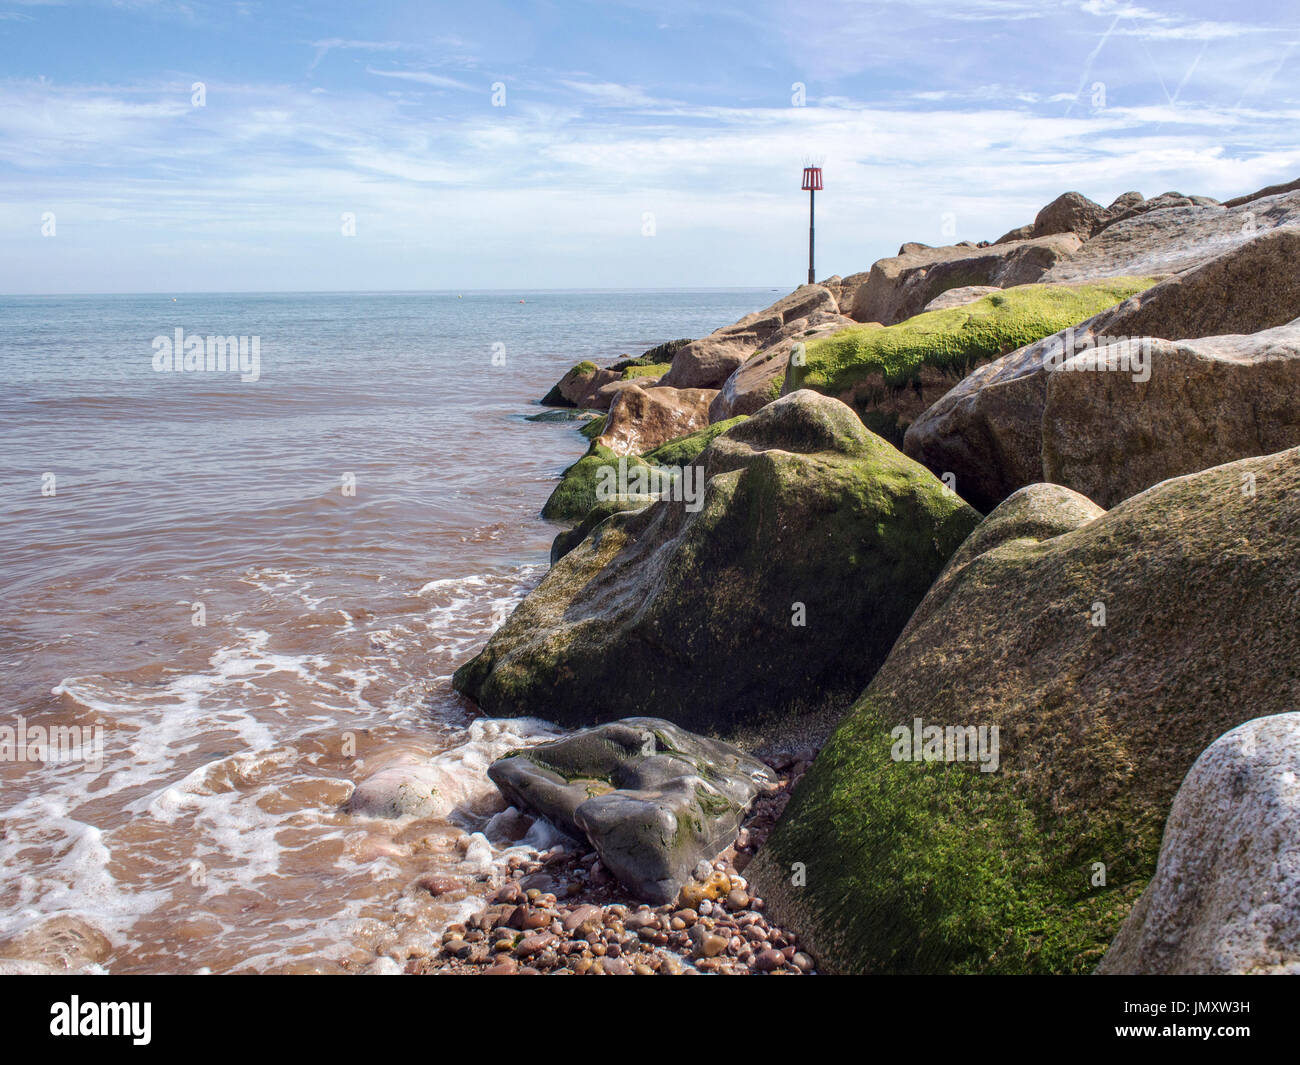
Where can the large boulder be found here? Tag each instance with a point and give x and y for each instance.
(1107, 650)
(659, 355)
(1271, 190)
(1156, 203)
(899, 287)
(1074, 213)
(709, 361)
(758, 380)
(603, 395)
(652, 799)
(891, 375)
(778, 593)
(641, 419)
(987, 430)
(587, 385)
(577, 493)
(578, 385)
(687, 450)
(1071, 212)
(1019, 233)
(1161, 240)
(1121, 418)
(1226, 895)
(681, 452)
(845, 289)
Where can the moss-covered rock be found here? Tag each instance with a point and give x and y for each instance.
(658, 355)
(575, 495)
(779, 591)
(568, 539)
(988, 429)
(899, 287)
(567, 390)
(890, 375)
(643, 370)
(594, 428)
(680, 452)
(1109, 650)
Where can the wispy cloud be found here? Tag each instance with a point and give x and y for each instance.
(915, 122)
(423, 77)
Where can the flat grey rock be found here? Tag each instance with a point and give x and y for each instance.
(652, 799)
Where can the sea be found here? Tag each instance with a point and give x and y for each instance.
(228, 596)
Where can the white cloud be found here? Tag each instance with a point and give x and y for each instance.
(423, 77)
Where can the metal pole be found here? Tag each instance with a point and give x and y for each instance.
(812, 277)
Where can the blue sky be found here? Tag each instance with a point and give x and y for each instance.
(937, 121)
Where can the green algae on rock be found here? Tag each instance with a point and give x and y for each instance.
(565, 392)
(780, 594)
(1110, 649)
(640, 370)
(988, 430)
(683, 451)
(566, 540)
(575, 495)
(890, 375)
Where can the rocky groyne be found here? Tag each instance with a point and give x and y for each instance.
(1003, 533)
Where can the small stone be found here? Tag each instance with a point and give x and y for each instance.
(457, 948)
(642, 919)
(508, 893)
(582, 917)
(769, 960)
(737, 899)
(505, 967)
(534, 944)
(439, 885)
(803, 962)
(710, 946)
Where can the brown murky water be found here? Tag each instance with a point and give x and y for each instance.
(197, 588)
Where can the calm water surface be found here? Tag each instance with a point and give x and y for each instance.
(256, 593)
